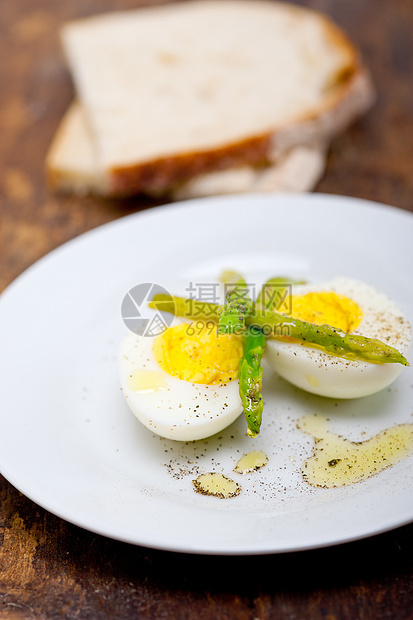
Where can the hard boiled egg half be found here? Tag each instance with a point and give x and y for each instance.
(183, 383)
(353, 307)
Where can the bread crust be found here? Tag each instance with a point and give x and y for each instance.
(160, 175)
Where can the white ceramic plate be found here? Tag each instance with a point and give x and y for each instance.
(69, 441)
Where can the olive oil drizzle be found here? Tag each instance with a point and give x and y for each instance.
(146, 381)
(251, 462)
(217, 485)
(337, 461)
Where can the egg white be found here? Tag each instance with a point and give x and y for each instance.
(327, 375)
(182, 411)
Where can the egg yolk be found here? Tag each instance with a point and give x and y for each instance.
(326, 308)
(196, 353)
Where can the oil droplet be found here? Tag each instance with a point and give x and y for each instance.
(217, 485)
(337, 461)
(251, 462)
(147, 381)
(312, 380)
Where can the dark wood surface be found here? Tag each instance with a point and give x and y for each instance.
(51, 569)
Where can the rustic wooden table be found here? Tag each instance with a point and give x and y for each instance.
(51, 569)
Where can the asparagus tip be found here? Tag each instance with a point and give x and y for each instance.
(251, 433)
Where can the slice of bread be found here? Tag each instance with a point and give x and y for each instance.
(173, 93)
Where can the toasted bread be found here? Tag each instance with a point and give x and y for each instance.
(175, 93)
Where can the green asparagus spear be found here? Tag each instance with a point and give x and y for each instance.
(250, 370)
(239, 305)
(250, 379)
(333, 340)
(232, 317)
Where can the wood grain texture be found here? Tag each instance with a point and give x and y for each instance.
(51, 569)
